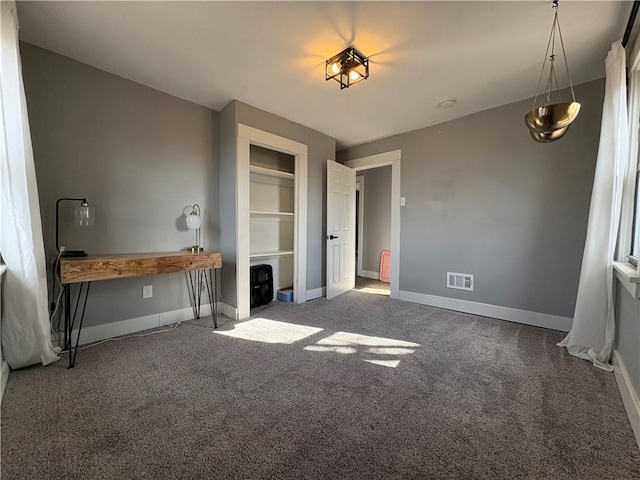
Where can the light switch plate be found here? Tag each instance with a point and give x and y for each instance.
(403, 201)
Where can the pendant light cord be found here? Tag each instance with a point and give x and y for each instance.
(566, 63)
(551, 43)
(544, 61)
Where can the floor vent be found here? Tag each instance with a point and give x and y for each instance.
(461, 281)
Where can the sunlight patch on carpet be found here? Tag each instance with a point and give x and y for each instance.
(390, 351)
(349, 343)
(373, 290)
(384, 363)
(349, 339)
(269, 331)
(320, 348)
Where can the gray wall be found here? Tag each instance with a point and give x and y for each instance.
(484, 198)
(320, 148)
(377, 216)
(227, 188)
(139, 156)
(627, 341)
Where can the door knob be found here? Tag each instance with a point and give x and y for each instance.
(331, 237)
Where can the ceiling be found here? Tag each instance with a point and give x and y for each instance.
(271, 54)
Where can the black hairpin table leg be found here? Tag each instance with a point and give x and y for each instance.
(197, 281)
(211, 291)
(70, 320)
(194, 290)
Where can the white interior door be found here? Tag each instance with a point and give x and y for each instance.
(341, 232)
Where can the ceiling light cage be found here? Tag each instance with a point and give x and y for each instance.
(549, 121)
(347, 67)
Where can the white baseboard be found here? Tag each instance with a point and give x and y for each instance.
(4, 377)
(629, 395)
(526, 317)
(316, 293)
(228, 311)
(96, 333)
(370, 274)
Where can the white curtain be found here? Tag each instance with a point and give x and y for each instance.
(592, 333)
(26, 335)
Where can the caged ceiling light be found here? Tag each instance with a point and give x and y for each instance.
(347, 67)
(548, 121)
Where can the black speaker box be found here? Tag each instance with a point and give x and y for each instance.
(261, 285)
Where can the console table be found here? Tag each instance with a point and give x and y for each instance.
(198, 268)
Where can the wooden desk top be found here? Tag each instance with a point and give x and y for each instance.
(106, 267)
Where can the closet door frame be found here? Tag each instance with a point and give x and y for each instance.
(248, 136)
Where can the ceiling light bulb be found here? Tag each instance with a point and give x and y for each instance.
(335, 67)
(354, 75)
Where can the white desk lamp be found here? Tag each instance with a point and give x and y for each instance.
(194, 222)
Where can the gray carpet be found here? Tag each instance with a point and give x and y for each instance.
(477, 398)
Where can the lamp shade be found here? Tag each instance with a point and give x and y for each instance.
(550, 136)
(84, 215)
(194, 221)
(552, 117)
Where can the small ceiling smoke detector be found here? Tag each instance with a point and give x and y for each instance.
(447, 103)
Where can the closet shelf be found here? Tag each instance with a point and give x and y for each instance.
(272, 253)
(271, 214)
(270, 172)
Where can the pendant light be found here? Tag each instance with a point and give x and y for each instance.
(548, 121)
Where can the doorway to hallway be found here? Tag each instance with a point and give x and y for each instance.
(369, 285)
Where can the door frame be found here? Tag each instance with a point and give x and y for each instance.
(360, 223)
(248, 136)
(392, 158)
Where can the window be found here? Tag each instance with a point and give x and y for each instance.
(629, 232)
(633, 251)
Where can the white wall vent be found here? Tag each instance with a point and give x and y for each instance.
(461, 281)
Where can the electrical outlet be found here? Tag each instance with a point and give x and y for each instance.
(203, 287)
(147, 291)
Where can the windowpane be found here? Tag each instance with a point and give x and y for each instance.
(636, 220)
